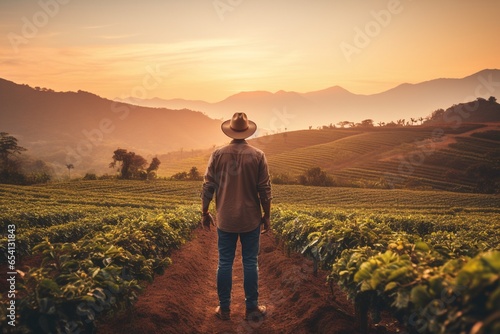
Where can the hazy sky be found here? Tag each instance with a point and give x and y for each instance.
(206, 49)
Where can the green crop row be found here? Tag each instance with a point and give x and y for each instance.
(28, 235)
(98, 274)
(436, 276)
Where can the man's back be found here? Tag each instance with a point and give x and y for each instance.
(238, 174)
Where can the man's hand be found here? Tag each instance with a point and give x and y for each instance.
(207, 221)
(266, 222)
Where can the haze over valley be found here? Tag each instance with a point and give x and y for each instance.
(83, 129)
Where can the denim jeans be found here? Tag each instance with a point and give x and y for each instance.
(249, 251)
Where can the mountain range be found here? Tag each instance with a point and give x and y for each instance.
(275, 112)
(83, 129)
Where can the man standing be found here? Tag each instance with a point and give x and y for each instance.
(238, 176)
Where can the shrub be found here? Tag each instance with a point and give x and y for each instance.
(90, 176)
(316, 177)
(283, 178)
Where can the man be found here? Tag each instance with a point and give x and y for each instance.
(238, 176)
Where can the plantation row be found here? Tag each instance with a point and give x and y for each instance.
(100, 239)
(343, 150)
(94, 268)
(273, 145)
(166, 194)
(404, 175)
(65, 211)
(288, 141)
(66, 225)
(426, 167)
(294, 152)
(436, 274)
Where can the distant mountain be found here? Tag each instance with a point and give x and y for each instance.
(293, 110)
(84, 129)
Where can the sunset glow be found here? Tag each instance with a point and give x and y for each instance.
(208, 50)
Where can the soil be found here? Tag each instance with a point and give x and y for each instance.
(183, 300)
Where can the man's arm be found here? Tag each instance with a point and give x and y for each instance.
(264, 189)
(207, 194)
(266, 219)
(205, 203)
(266, 206)
(206, 218)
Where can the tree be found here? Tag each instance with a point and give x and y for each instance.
(437, 114)
(492, 99)
(69, 167)
(120, 155)
(343, 124)
(137, 164)
(8, 148)
(131, 164)
(194, 174)
(153, 167)
(367, 123)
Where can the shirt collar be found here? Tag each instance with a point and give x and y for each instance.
(238, 141)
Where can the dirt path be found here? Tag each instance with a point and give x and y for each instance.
(183, 300)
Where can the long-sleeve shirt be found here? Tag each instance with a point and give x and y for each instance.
(238, 176)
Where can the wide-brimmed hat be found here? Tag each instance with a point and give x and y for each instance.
(239, 127)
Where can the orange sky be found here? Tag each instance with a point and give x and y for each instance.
(211, 49)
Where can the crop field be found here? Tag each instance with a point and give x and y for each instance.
(432, 258)
(410, 157)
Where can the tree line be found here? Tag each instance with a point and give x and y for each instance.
(15, 170)
(370, 123)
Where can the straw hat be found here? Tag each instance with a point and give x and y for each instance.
(239, 127)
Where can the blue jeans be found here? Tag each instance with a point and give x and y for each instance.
(249, 251)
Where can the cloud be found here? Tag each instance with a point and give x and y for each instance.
(111, 37)
(99, 26)
(115, 67)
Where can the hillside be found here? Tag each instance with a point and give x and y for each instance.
(446, 156)
(478, 111)
(298, 110)
(84, 129)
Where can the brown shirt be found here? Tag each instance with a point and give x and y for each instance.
(238, 175)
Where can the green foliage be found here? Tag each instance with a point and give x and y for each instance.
(99, 272)
(436, 276)
(424, 255)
